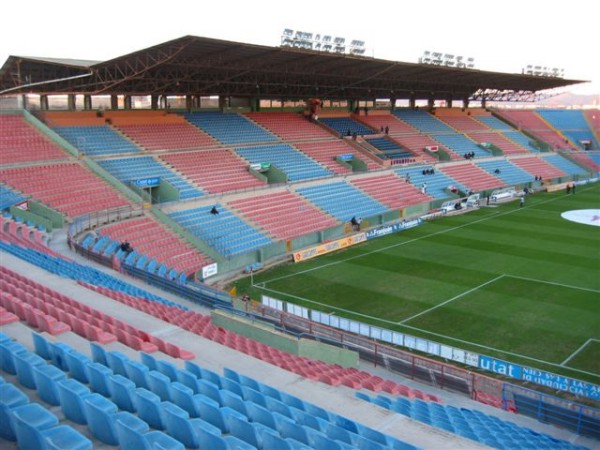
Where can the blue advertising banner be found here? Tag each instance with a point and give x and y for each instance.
(539, 377)
(394, 228)
(346, 156)
(146, 182)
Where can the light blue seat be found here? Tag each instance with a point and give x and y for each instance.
(344, 422)
(122, 391)
(306, 419)
(275, 405)
(159, 384)
(373, 435)
(71, 394)
(292, 430)
(234, 401)
(132, 439)
(254, 396)
(212, 413)
(257, 413)
(99, 375)
(10, 397)
(184, 397)
(148, 360)
(245, 431)
(149, 408)
(46, 377)
(189, 379)
(59, 355)
(101, 415)
(8, 350)
(42, 346)
(138, 373)
(183, 428)
(78, 365)
(270, 391)
(231, 374)
(249, 382)
(209, 375)
(24, 363)
(291, 400)
(167, 368)
(272, 441)
(233, 386)
(209, 389)
(339, 434)
(98, 353)
(116, 361)
(36, 428)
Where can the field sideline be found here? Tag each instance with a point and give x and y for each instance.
(520, 284)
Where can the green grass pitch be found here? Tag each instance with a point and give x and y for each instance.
(520, 284)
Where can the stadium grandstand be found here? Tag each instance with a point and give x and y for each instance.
(148, 253)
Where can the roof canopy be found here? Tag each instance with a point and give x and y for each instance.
(194, 65)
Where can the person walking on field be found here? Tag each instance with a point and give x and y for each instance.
(521, 202)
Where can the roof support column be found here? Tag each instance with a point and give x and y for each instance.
(392, 104)
(87, 102)
(431, 101)
(412, 100)
(189, 102)
(127, 102)
(449, 100)
(44, 102)
(154, 101)
(71, 102)
(466, 102)
(114, 102)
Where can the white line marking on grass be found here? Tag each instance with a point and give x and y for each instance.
(554, 283)
(577, 351)
(452, 299)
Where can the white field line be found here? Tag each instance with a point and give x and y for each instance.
(452, 299)
(578, 350)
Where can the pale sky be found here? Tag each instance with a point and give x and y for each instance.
(503, 36)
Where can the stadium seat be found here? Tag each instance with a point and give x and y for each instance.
(149, 408)
(46, 377)
(132, 439)
(184, 429)
(71, 394)
(10, 397)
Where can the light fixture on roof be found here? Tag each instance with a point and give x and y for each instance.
(321, 42)
(543, 71)
(447, 60)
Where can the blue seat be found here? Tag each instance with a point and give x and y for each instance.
(10, 397)
(41, 346)
(24, 363)
(275, 405)
(98, 353)
(372, 434)
(249, 382)
(78, 364)
(212, 413)
(209, 375)
(290, 400)
(36, 428)
(323, 442)
(183, 397)
(344, 422)
(46, 377)
(8, 350)
(231, 374)
(306, 419)
(167, 368)
(270, 391)
(183, 428)
(116, 361)
(234, 401)
(138, 373)
(189, 379)
(272, 441)
(257, 413)
(232, 386)
(59, 355)
(209, 389)
(148, 360)
(292, 430)
(339, 434)
(122, 391)
(132, 439)
(245, 431)
(159, 384)
(149, 408)
(101, 415)
(254, 396)
(99, 375)
(71, 394)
